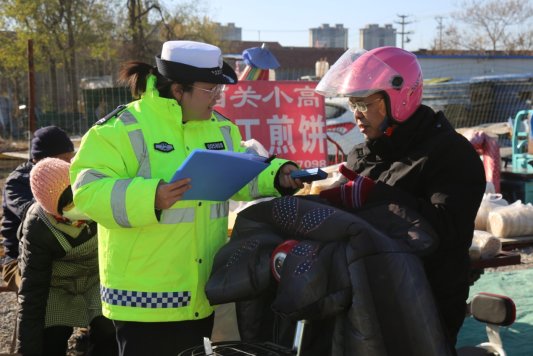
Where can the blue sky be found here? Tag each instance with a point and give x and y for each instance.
(288, 21)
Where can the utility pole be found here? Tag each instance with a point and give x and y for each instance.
(403, 33)
(440, 27)
(31, 92)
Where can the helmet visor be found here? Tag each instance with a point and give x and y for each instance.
(358, 73)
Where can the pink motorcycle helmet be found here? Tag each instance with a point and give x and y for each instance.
(361, 73)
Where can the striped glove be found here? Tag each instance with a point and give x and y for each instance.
(352, 194)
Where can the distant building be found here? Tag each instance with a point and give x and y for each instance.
(373, 36)
(328, 37)
(229, 32)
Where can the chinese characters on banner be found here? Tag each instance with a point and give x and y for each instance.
(287, 117)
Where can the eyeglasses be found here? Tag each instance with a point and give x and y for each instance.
(361, 106)
(215, 91)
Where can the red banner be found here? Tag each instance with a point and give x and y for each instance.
(287, 117)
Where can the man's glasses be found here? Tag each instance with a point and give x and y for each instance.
(361, 106)
(216, 90)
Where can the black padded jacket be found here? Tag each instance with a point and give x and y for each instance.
(17, 198)
(358, 278)
(39, 249)
(426, 165)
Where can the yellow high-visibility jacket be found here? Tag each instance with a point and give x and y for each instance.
(154, 269)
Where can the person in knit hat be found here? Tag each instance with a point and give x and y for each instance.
(49, 141)
(48, 180)
(59, 270)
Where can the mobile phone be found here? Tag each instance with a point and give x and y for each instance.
(309, 175)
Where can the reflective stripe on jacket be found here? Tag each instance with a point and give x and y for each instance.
(154, 269)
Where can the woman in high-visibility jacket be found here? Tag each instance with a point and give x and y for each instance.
(156, 250)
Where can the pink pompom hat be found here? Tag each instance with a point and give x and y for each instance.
(48, 179)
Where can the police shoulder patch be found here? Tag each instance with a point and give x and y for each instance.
(112, 114)
(163, 147)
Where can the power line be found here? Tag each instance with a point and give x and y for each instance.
(403, 33)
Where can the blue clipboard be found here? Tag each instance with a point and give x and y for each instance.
(218, 175)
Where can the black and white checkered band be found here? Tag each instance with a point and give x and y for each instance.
(127, 298)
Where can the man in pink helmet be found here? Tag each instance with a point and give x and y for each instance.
(411, 156)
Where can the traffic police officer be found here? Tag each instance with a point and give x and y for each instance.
(156, 250)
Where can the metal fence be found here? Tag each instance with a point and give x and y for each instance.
(481, 100)
(96, 93)
(466, 103)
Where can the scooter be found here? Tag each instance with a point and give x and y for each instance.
(495, 311)
(492, 309)
(263, 348)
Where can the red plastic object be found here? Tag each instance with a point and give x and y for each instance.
(278, 257)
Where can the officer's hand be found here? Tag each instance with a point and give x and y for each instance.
(285, 180)
(169, 193)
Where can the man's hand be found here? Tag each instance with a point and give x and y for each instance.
(352, 194)
(169, 193)
(285, 180)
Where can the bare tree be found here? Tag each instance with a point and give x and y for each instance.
(61, 29)
(144, 17)
(520, 41)
(491, 25)
(148, 23)
(450, 39)
(188, 21)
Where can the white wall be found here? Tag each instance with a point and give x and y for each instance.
(471, 66)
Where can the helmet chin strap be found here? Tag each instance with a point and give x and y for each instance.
(386, 126)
